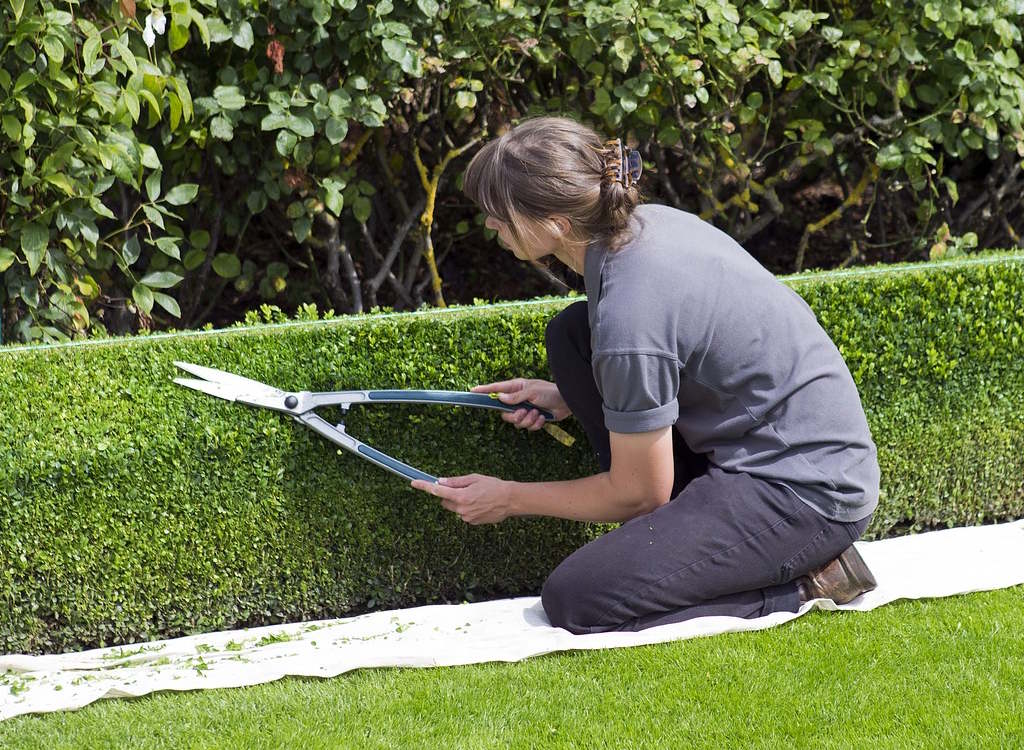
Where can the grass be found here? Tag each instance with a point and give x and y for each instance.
(935, 673)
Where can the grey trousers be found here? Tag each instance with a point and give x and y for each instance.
(726, 544)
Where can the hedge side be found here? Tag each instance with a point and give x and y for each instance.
(131, 508)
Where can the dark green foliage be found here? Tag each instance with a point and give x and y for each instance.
(267, 151)
(132, 508)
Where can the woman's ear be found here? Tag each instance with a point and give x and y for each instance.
(561, 224)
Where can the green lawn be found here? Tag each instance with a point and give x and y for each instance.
(940, 673)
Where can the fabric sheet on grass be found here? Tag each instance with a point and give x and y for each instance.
(938, 563)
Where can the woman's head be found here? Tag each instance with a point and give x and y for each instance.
(551, 179)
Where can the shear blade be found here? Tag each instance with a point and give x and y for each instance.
(226, 378)
(227, 393)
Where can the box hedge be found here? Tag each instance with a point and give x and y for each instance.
(132, 508)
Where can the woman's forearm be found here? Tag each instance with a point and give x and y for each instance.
(593, 498)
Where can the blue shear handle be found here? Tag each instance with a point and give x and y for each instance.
(387, 462)
(456, 398)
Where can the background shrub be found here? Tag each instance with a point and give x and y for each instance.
(309, 152)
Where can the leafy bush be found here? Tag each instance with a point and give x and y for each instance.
(133, 508)
(167, 164)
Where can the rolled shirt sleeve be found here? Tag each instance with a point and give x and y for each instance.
(639, 390)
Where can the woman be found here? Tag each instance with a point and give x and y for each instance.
(729, 431)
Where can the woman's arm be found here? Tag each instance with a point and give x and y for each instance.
(640, 480)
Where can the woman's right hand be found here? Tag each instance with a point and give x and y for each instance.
(538, 392)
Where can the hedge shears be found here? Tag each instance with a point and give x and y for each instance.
(302, 405)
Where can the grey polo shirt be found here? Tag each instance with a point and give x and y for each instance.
(688, 329)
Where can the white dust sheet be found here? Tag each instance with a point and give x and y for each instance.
(938, 563)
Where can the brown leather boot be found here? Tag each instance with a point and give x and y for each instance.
(841, 580)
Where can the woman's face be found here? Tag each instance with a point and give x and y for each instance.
(542, 241)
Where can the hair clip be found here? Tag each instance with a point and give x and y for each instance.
(634, 167)
(622, 164)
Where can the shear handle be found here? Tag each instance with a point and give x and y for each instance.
(455, 398)
(338, 436)
(307, 401)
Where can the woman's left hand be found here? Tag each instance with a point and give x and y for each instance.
(475, 497)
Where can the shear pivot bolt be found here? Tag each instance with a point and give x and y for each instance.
(291, 402)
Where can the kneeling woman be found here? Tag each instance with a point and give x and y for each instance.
(729, 431)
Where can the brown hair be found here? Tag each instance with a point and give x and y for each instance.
(553, 165)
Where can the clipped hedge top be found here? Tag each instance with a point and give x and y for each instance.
(986, 257)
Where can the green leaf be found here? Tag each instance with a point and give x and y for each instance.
(301, 227)
(243, 35)
(161, 279)
(168, 246)
(300, 126)
(256, 201)
(54, 49)
(624, 48)
(125, 55)
(428, 7)
(321, 13)
(285, 142)
(148, 156)
(34, 239)
(177, 38)
(194, 259)
(775, 72)
(465, 99)
(964, 50)
(199, 239)
(361, 208)
(153, 215)
(229, 97)
(972, 139)
(336, 130)
(339, 102)
(131, 250)
(131, 103)
(219, 31)
(153, 185)
(221, 128)
(174, 107)
(889, 157)
(186, 98)
(951, 188)
(143, 297)
(227, 265)
(62, 181)
(7, 259)
(168, 303)
(12, 128)
(274, 121)
(154, 106)
(334, 201)
(394, 49)
(182, 194)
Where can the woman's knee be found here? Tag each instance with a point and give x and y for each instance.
(566, 601)
(557, 597)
